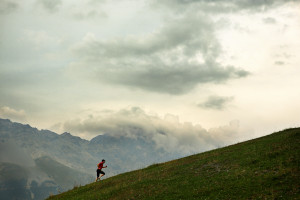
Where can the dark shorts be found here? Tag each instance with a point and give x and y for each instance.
(99, 171)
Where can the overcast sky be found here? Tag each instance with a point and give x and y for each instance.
(231, 67)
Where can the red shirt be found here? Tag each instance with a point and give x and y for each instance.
(100, 165)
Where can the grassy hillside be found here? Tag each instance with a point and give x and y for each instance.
(263, 168)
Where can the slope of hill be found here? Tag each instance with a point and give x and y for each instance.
(263, 168)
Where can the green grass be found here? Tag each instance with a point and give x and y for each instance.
(263, 168)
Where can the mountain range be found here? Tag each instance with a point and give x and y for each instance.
(37, 163)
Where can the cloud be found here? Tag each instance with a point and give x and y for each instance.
(279, 63)
(216, 102)
(50, 5)
(41, 38)
(87, 10)
(173, 60)
(167, 133)
(89, 14)
(269, 20)
(219, 6)
(10, 113)
(7, 7)
(12, 153)
(187, 35)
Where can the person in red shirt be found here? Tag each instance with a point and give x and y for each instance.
(99, 170)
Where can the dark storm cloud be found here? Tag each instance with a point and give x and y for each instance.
(221, 6)
(167, 133)
(191, 34)
(7, 6)
(216, 102)
(175, 80)
(163, 61)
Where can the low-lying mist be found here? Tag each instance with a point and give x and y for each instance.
(167, 133)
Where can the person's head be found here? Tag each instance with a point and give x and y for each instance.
(103, 160)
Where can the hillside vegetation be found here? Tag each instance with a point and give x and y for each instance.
(263, 168)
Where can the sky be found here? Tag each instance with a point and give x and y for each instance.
(178, 71)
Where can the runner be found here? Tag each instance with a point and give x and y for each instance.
(99, 170)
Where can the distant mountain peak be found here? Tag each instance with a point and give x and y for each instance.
(7, 120)
(66, 134)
